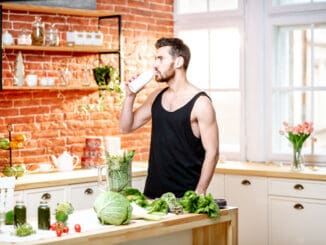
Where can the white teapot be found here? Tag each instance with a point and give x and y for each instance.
(65, 162)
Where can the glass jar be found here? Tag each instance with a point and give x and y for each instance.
(38, 32)
(24, 38)
(19, 213)
(52, 36)
(43, 216)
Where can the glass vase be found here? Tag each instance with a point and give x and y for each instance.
(298, 160)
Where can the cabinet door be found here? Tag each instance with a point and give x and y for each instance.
(82, 196)
(138, 183)
(249, 194)
(52, 194)
(297, 221)
(216, 187)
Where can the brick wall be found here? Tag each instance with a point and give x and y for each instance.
(54, 120)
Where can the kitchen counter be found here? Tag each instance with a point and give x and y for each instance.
(271, 170)
(78, 176)
(202, 230)
(139, 169)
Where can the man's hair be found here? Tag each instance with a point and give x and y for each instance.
(178, 48)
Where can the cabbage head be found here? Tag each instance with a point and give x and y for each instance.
(112, 208)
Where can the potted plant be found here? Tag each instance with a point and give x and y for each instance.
(107, 78)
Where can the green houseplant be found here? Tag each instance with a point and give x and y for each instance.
(107, 78)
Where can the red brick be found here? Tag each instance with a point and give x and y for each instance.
(52, 119)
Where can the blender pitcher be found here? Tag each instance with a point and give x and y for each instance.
(117, 172)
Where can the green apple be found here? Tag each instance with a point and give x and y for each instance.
(20, 170)
(9, 171)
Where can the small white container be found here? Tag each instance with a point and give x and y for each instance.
(141, 81)
(47, 81)
(70, 38)
(31, 80)
(97, 38)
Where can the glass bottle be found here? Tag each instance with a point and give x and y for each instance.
(52, 36)
(19, 213)
(38, 32)
(43, 215)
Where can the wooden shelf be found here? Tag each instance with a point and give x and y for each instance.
(99, 14)
(57, 10)
(75, 49)
(65, 88)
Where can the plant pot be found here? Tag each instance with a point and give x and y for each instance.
(101, 76)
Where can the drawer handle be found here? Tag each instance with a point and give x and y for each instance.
(89, 191)
(246, 182)
(298, 187)
(298, 206)
(46, 196)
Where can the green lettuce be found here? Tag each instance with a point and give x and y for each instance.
(112, 208)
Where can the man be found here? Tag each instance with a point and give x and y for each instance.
(184, 146)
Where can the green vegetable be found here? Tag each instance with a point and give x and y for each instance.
(4, 143)
(61, 216)
(65, 207)
(62, 211)
(9, 220)
(158, 205)
(189, 201)
(171, 200)
(141, 213)
(193, 203)
(24, 230)
(119, 169)
(134, 195)
(129, 191)
(206, 204)
(112, 208)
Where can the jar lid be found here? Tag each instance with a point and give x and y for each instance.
(43, 202)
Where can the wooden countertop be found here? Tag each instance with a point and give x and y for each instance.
(139, 169)
(78, 176)
(271, 170)
(95, 233)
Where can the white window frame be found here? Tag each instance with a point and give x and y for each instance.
(277, 17)
(217, 19)
(256, 20)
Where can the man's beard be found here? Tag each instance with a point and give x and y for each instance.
(163, 78)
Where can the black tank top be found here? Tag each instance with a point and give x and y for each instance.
(176, 154)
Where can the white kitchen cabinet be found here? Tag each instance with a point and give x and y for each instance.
(52, 195)
(82, 196)
(138, 183)
(216, 187)
(249, 194)
(297, 212)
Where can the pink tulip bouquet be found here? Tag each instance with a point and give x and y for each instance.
(297, 136)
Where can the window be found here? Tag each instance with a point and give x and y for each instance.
(299, 80)
(262, 63)
(195, 6)
(289, 2)
(215, 65)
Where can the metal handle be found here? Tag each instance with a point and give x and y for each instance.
(46, 196)
(245, 182)
(88, 191)
(298, 187)
(298, 206)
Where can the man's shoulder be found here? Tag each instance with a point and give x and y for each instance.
(203, 102)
